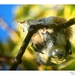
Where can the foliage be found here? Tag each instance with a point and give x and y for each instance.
(10, 49)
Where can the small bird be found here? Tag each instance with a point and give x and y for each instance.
(51, 45)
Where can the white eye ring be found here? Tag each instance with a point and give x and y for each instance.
(53, 53)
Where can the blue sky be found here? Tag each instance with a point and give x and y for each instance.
(7, 14)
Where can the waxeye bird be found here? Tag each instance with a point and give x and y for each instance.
(51, 45)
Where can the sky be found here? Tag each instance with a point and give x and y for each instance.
(6, 12)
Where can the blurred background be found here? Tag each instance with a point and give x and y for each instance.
(11, 35)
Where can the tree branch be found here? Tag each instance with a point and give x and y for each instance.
(68, 23)
(17, 59)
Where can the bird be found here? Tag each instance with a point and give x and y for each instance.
(51, 45)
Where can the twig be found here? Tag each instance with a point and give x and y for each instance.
(18, 60)
(68, 23)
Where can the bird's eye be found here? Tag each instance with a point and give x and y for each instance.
(57, 55)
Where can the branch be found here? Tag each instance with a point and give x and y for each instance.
(17, 59)
(68, 23)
